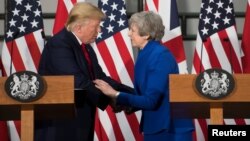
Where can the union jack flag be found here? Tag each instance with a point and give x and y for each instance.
(172, 39)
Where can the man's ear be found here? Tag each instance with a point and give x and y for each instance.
(78, 28)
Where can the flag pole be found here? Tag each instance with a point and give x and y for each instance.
(6, 15)
(140, 5)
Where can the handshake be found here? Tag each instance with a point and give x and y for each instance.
(113, 93)
(118, 108)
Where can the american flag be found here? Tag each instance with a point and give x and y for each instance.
(23, 43)
(172, 39)
(245, 41)
(217, 46)
(4, 131)
(115, 55)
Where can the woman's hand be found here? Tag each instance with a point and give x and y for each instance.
(105, 88)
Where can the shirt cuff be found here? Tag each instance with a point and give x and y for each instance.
(117, 94)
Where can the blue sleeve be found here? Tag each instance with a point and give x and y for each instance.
(155, 85)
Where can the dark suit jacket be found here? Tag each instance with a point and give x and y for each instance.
(63, 55)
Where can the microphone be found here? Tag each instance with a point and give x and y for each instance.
(203, 40)
(12, 49)
(43, 36)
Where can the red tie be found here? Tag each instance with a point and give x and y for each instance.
(86, 54)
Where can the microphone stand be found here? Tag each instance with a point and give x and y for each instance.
(43, 36)
(202, 41)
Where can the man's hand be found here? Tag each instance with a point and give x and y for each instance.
(119, 108)
(116, 108)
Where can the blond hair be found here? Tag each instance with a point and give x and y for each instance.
(81, 12)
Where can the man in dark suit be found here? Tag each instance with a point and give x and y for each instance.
(69, 53)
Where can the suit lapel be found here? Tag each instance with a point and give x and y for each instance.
(81, 61)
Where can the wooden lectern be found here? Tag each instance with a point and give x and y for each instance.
(186, 102)
(56, 103)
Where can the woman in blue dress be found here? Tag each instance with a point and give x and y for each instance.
(151, 83)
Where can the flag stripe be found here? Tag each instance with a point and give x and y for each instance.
(200, 128)
(211, 54)
(217, 46)
(61, 13)
(14, 130)
(15, 55)
(33, 49)
(175, 45)
(24, 54)
(4, 131)
(100, 60)
(200, 57)
(120, 51)
(245, 41)
(39, 39)
(115, 55)
(99, 130)
(125, 55)
(1, 68)
(226, 54)
(173, 36)
(104, 53)
(163, 5)
(236, 50)
(116, 128)
(109, 63)
(6, 59)
(134, 124)
(240, 121)
(197, 65)
(23, 44)
(151, 5)
(126, 128)
(108, 123)
(247, 121)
